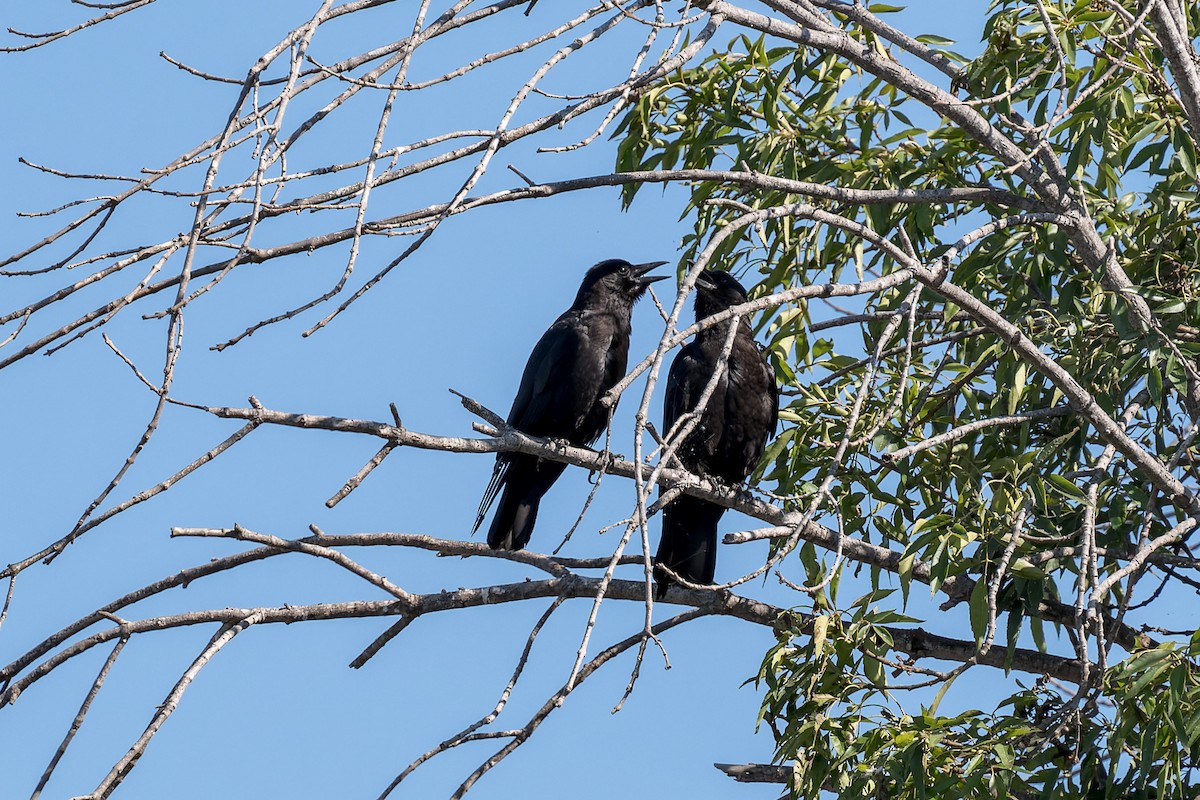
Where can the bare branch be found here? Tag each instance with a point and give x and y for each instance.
(168, 706)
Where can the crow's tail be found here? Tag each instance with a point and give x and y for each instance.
(525, 480)
(493, 488)
(688, 546)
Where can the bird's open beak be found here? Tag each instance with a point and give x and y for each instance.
(640, 271)
(704, 281)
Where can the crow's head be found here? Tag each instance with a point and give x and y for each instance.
(617, 279)
(717, 291)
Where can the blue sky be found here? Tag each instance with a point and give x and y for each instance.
(277, 713)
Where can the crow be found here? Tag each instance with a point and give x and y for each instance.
(730, 436)
(580, 357)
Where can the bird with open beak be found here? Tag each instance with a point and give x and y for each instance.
(582, 355)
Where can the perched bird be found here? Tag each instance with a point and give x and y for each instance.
(730, 436)
(576, 361)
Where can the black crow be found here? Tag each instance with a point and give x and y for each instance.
(576, 361)
(728, 440)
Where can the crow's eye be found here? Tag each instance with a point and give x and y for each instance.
(624, 272)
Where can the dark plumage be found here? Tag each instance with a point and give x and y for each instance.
(728, 441)
(576, 361)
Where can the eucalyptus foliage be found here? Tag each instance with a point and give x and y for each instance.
(1033, 509)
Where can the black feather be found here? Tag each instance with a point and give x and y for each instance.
(728, 440)
(580, 357)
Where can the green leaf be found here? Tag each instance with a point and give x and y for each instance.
(1153, 673)
(1184, 152)
(937, 700)
(978, 606)
(873, 670)
(1066, 486)
(1018, 387)
(904, 571)
(1037, 630)
(820, 631)
(1154, 384)
(1026, 569)
(1038, 488)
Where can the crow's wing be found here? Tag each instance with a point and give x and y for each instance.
(689, 375)
(562, 379)
(678, 393)
(751, 409)
(537, 407)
